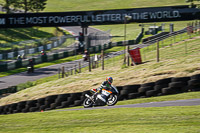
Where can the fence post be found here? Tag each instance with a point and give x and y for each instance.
(171, 41)
(144, 50)
(63, 72)
(199, 27)
(79, 67)
(92, 62)
(71, 71)
(175, 38)
(102, 59)
(89, 61)
(128, 56)
(157, 51)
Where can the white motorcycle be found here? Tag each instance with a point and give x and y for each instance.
(105, 97)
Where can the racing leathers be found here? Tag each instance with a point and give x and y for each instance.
(101, 100)
(104, 85)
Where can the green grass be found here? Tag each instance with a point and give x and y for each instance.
(154, 120)
(182, 96)
(21, 34)
(180, 119)
(133, 29)
(83, 5)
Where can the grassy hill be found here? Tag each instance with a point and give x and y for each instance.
(175, 62)
(144, 72)
(21, 34)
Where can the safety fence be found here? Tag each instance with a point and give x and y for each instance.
(169, 40)
(190, 30)
(167, 86)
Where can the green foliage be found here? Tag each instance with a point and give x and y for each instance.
(37, 5)
(25, 5)
(124, 66)
(181, 119)
(23, 86)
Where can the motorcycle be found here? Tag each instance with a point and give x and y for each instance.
(85, 57)
(105, 97)
(30, 69)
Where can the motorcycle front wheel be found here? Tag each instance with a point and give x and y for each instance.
(87, 103)
(112, 100)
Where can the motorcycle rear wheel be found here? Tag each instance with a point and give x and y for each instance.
(112, 100)
(87, 103)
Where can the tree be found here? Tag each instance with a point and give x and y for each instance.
(24, 5)
(7, 5)
(37, 5)
(192, 3)
(31, 5)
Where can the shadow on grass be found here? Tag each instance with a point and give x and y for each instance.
(21, 34)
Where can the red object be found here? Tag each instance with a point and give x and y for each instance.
(135, 55)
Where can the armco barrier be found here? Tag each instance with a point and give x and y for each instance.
(55, 42)
(161, 87)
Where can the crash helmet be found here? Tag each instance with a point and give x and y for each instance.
(109, 79)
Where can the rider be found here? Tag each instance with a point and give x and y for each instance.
(105, 85)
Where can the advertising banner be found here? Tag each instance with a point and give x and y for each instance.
(135, 55)
(99, 17)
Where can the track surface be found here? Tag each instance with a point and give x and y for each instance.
(189, 102)
(23, 77)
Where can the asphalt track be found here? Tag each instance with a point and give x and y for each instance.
(15, 79)
(23, 77)
(189, 102)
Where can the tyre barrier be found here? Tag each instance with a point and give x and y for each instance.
(161, 87)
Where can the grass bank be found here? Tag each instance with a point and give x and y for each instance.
(21, 34)
(133, 29)
(174, 62)
(161, 119)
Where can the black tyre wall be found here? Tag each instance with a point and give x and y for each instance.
(163, 81)
(180, 79)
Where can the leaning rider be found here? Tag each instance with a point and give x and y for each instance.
(105, 85)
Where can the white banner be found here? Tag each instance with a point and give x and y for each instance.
(48, 46)
(55, 44)
(31, 51)
(40, 48)
(21, 52)
(10, 55)
(60, 41)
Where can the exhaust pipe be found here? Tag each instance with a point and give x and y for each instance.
(86, 95)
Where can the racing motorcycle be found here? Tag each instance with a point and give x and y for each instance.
(104, 97)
